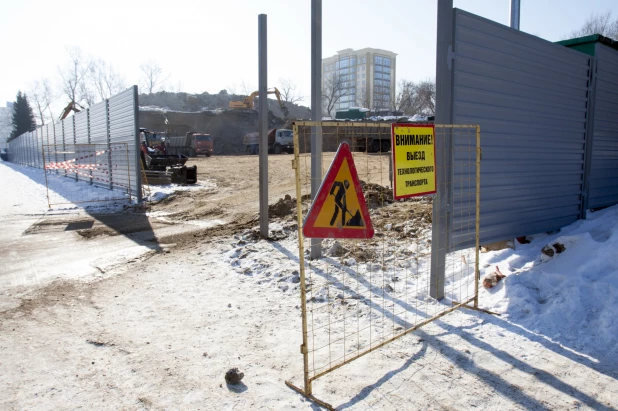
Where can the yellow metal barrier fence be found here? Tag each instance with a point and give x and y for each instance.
(363, 294)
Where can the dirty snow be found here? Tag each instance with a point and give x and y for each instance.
(154, 337)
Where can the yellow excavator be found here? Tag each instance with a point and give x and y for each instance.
(72, 106)
(247, 102)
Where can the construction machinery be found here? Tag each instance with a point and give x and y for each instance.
(279, 140)
(247, 102)
(72, 106)
(192, 144)
(164, 168)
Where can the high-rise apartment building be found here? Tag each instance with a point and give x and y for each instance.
(359, 78)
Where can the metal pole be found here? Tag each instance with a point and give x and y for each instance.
(137, 158)
(301, 259)
(515, 7)
(444, 83)
(316, 110)
(263, 123)
(477, 228)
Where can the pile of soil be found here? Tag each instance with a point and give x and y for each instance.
(376, 195)
(284, 207)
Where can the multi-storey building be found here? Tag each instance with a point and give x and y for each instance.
(359, 78)
(6, 123)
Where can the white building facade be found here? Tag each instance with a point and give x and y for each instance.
(361, 78)
(6, 123)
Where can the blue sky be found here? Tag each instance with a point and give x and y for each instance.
(210, 45)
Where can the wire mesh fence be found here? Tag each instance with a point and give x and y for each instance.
(362, 294)
(72, 170)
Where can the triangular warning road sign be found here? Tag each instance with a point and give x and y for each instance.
(339, 209)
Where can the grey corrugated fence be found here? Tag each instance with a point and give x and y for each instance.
(549, 123)
(111, 121)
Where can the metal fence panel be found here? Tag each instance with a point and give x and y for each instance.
(37, 148)
(108, 122)
(89, 160)
(603, 190)
(82, 136)
(98, 123)
(122, 129)
(81, 127)
(530, 98)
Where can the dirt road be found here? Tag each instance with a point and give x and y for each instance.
(236, 196)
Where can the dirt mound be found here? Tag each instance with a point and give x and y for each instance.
(283, 207)
(377, 195)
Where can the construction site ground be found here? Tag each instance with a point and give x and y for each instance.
(144, 309)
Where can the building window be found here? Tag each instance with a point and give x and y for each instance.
(386, 61)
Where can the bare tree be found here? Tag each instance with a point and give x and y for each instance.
(426, 97)
(177, 88)
(416, 98)
(74, 75)
(246, 88)
(153, 78)
(288, 91)
(105, 80)
(332, 92)
(404, 99)
(87, 94)
(41, 96)
(598, 24)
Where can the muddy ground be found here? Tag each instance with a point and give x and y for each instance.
(235, 199)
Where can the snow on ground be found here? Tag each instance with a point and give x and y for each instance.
(37, 249)
(162, 333)
(32, 195)
(570, 298)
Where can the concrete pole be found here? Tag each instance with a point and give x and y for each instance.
(515, 7)
(316, 111)
(263, 122)
(444, 112)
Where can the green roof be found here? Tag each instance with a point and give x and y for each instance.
(586, 44)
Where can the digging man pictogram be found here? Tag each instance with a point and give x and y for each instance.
(341, 203)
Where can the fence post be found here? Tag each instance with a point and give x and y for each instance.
(444, 111)
(589, 136)
(109, 146)
(316, 114)
(263, 121)
(89, 139)
(55, 143)
(137, 159)
(74, 144)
